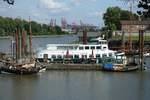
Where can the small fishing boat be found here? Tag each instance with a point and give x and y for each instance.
(118, 64)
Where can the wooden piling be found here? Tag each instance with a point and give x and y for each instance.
(141, 48)
(84, 37)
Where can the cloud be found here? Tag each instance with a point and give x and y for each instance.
(54, 6)
(96, 14)
(78, 2)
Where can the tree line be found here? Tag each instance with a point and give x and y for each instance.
(9, 25)
(113, 16)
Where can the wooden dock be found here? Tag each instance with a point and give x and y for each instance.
(85, 67)
(61, 66)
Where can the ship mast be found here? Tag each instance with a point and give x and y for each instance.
(130, 28)
(16, 44)
(30, 39)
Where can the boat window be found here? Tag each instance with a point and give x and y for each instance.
(98, 56)
(76, 56)
(45, 55)
(110, 54)
(119, 61)
(59, 56)
(98, 47)
(54, 56)
(104, 55)
(104, 42)
(86, 47)
(80, 48)
(92, 47)
(84, 56)
(75, 47)
(104, 47)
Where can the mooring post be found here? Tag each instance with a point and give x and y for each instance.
(141, 48)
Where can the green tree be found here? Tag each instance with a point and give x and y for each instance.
(114, 15)
(8, 26)
(145, 4)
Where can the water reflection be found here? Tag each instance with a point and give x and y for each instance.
(76, 85)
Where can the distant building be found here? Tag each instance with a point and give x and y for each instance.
(135, 26)
(68, 29)
(78, 28)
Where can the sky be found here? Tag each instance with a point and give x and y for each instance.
(88, 11)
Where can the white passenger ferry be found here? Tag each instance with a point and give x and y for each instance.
(97, 48)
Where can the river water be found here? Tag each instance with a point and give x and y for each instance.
(73, 85)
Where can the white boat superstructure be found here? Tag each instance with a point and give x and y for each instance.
(96, 49)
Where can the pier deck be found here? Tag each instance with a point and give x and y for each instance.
(60, 66)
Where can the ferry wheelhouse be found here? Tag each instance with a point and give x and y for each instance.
(95, 49)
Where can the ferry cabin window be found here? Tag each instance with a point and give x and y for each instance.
(75, 47)
(84, 56)
(76, 56)
(86, 47)
(110, 54)
(80, 48)
(104, 55)
(70, 47)
(45, 55)
(104, 42)
(59, 56)
(54, 56)
(98, 56)
(98, 47)
(92, 47)
(104, 47)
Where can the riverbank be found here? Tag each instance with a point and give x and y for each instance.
(40, 36)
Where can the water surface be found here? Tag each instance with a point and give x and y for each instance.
(73, 85)
(76, 85)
